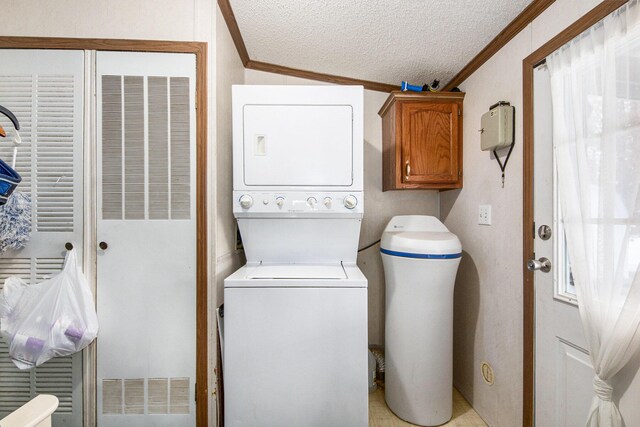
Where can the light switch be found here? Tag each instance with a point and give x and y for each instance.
(484, 215)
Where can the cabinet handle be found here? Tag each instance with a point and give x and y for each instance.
(407, 170)
(103, 246)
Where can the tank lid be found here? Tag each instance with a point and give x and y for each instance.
(415, 223)
(419, 236)
(421, 244)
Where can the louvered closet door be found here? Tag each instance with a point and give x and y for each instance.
(146, 215)
(45, 91)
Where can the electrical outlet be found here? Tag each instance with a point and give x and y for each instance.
(487, 373)
(484, 215)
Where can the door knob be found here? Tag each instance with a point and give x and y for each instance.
(103, 245)
(543, 264)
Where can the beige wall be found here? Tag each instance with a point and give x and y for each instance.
(141, 19)
(488, 293)
(379, 207)
(229, 71)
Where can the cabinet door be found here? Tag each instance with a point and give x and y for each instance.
(44, 89)
(430, 143)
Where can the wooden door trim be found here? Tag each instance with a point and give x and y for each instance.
(199, 49)
(528, 65)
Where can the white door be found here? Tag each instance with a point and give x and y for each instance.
(44, 89)
(563, 371)
(146, 234)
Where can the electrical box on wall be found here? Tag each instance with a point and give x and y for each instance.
(497, 127)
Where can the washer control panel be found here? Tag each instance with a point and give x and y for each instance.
(296, 202)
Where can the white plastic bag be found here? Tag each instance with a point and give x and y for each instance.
(52, 318)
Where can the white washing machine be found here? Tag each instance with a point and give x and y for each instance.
(295, 317)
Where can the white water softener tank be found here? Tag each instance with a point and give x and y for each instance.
(420, 258)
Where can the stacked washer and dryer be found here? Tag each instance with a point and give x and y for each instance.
(295, 346)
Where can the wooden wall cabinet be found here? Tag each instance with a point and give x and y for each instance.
(422, 141)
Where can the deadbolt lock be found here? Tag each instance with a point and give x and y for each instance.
(544, 231)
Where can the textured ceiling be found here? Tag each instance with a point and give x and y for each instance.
(385, 41)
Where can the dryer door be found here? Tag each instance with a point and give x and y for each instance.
(298, 145)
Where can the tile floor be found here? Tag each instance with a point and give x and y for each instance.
(381, 416)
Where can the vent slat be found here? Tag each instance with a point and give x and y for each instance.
(179, 395)
(20, 267)
(180, 149)
(55, 377)
(158, 396)
(158, 148)
(112, 147)
(134, 147)
(112, 397)
(54, 154)
(15, 385)
(165, 193)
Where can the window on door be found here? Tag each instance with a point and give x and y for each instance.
(565, 288)
(628, 93)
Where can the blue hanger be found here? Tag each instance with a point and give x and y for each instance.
(11, 116)
(9, 178)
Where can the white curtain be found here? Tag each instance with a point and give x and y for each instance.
(595, 85)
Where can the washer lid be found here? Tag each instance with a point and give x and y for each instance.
(296, 271)
(421, 244)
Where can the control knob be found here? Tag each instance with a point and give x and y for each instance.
(311, 201)
(327, 202)
(350, 202)
(246, 201)
(279, 201)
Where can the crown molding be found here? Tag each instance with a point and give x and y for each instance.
(525, 17)
(509, 32)
(311, 75)
(236, 36)
(234, 30)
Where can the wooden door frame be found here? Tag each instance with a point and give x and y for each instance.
(528, 65)
(199, 49)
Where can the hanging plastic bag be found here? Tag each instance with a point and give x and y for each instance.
(50, 319)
